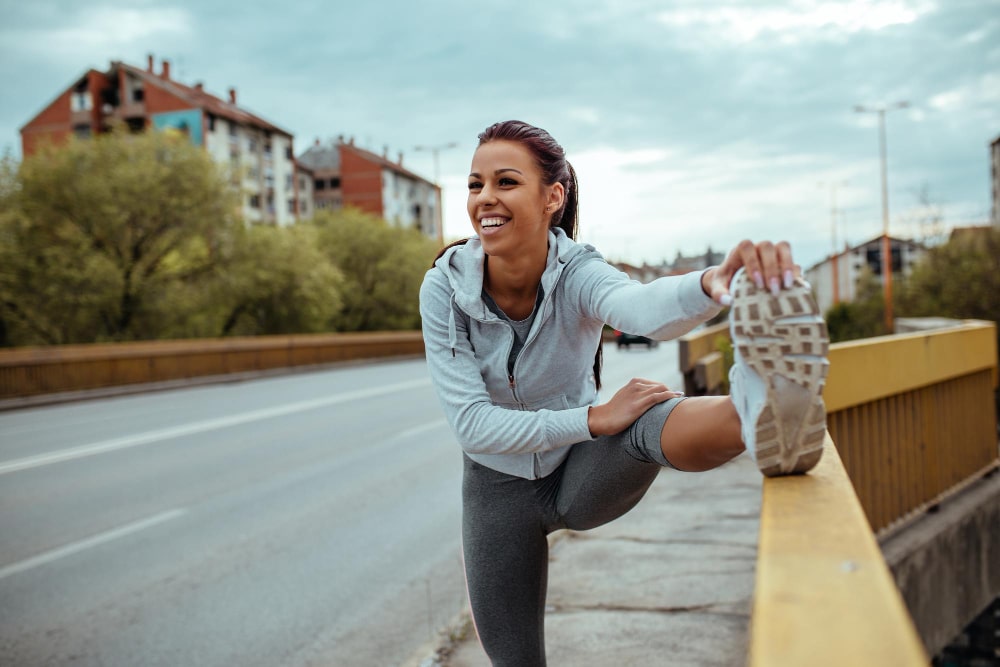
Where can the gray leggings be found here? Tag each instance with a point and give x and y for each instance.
(505, 521)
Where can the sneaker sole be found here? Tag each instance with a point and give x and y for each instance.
(784, 340)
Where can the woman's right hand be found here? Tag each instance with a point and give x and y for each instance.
(627, 405)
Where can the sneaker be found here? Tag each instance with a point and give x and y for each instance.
(780, 345)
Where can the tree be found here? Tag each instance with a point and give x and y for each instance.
(862, 318)
(957, 279)
(279, 283)
(382, 266)
(98, 233)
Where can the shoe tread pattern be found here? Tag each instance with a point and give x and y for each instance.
(783, 339)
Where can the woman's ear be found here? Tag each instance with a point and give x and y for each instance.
(556, 198)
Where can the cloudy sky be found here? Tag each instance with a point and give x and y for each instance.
(691, 123)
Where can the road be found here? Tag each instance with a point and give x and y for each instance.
(309, 519)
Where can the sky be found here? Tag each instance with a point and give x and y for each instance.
(691, 123)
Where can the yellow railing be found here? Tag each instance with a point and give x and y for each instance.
(911, 418)
(913, 415)
(28, 372)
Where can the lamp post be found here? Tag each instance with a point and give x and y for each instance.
(435, 151)
(834, 257)
(886, 248)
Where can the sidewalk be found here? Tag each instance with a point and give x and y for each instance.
(670, 583)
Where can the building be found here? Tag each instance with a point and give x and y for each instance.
(348, 175)
(995, 181)
(835, 279)
(259, 154)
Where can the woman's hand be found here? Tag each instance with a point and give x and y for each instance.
(768, 264)
(627, 405)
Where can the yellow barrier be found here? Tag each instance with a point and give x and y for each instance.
(913, 415)
(823, 594)
(41, 370)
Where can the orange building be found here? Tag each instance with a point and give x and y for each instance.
(259, 154)
(348, 175)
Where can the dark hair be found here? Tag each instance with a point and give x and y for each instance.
(551, 160)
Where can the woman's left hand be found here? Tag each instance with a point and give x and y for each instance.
(768, 264)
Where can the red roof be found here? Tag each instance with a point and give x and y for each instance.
(201, 99)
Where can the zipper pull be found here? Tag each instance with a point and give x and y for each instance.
(510, 379)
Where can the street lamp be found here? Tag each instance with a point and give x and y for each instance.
(886, 250)
(434, 150)
(833, 236)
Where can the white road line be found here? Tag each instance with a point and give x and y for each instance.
(422, 428)
(93, 541)
(202, 426)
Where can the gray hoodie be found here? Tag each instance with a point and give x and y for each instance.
(524, 424)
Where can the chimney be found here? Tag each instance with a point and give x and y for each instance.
(400, 160)
(350, 142)
(149, 63)
(385, 153)
(200, 87)
(316, 143)
(232, 96)
(165, 73)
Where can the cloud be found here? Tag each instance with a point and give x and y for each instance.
(808, 21)
(95, 33)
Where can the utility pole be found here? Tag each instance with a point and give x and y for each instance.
(834, 257)
(435, 151)
(886, 246)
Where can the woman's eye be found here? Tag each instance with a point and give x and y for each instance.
(508, 181)
(475, 185)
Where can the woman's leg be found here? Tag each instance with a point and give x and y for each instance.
(702, 433)
(506, 564)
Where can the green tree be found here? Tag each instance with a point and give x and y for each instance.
(862, 318)
(957, 279)
(382, 267)
(98, 233)
(279, 283)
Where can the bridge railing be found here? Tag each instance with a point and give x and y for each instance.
(911, 419)
(26, 372)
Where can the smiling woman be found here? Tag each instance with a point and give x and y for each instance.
(511, 318)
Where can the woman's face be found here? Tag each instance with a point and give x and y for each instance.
(509, 205)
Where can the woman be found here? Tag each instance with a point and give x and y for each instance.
(512, 321)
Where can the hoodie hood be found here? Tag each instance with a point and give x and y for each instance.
(463, 265)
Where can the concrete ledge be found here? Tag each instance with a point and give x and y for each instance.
(947, 562)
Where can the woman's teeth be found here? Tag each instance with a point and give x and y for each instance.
(493, 222)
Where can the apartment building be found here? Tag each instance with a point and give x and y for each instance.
(348, 175)
(258, 154)
(835, 279)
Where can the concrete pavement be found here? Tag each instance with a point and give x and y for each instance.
(670, 583)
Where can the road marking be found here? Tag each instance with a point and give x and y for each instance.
(93, 541)
(200, 427)
(422, 428)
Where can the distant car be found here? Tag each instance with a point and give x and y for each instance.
(626, 340)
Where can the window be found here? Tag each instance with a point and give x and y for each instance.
(304, 207)
(211, 123)
(81, 100)
(288, 153)
(291, 206)
(335, 182)
(267, 149)
(232, 130)
(252, 145)
(138, 94)
(289, 181)
(81, 131)
(320, 184)
(254, 201)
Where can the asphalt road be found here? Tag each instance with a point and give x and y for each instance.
(310, 519)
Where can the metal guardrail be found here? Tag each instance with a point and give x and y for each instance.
(26, 372)
(914, 418)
